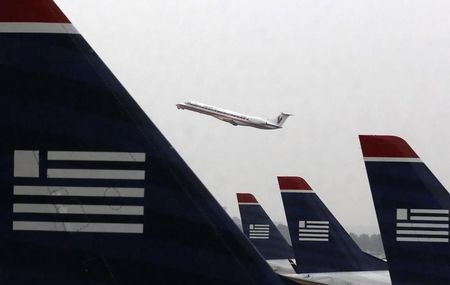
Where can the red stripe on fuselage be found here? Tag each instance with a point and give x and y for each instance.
(212, 112)
(219, 115)
(31, 11)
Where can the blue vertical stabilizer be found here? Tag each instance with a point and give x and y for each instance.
(91, 191)
(260, 229)
(320, 243)
(412, 208)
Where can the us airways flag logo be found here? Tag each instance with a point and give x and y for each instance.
(313, 230)
(79, 191)
(259, 231)
(422, 225)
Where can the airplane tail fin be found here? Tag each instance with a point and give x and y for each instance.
(260, 229)
(320, 243)
(91, 191)
(281, 119)
(412, 209)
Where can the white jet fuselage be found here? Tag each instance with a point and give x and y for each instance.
(229, 116)
(381, 277)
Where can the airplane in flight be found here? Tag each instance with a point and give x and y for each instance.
(236, 119)
(413, 210)
(324, 251)
(91, 191)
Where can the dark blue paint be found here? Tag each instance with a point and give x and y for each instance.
(276, 247)
(403, 185)
(338, 254)
(56, 94)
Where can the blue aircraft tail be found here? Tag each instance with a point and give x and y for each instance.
(412, 209)
(91, 191)
(320, 243)
(260, 229)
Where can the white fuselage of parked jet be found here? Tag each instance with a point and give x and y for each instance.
(381, 277)
(233, 117)
(284, 267)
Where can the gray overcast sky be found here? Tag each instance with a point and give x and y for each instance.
(342, 67)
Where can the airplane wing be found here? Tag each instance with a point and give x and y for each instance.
(231, 121)
(91, 191)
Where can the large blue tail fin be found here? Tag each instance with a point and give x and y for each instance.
(320, 243)
(260, 229)
(412, 208)
(91, 191)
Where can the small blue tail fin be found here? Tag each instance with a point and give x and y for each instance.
(412, 209)
(90, 191)
(320, 243)
(260, 229)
